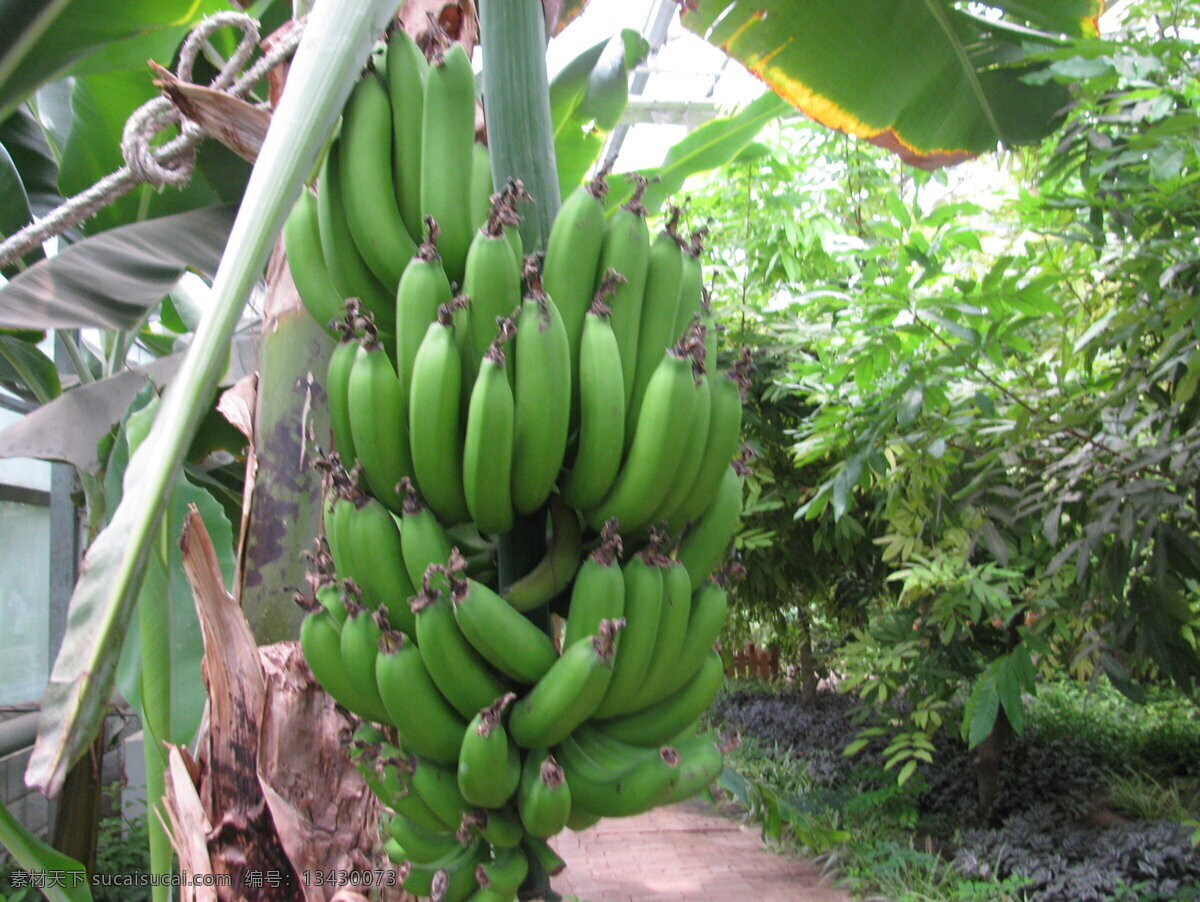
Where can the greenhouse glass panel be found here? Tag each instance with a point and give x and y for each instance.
(24, 600)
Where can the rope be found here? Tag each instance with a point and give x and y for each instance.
(171, 163)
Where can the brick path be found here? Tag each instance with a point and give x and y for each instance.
(683, 853)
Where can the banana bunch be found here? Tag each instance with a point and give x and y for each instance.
(478, 398)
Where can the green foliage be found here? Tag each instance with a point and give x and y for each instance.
(1163, 732)
(120, 852)
(992, 439)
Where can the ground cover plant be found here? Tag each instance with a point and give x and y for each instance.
(1083, 811)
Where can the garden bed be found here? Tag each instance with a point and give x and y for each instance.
(1099, 799)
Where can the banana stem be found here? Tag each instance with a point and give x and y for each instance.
(517, 107)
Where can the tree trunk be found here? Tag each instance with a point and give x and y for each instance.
(989, 756)
(77, 823)
(808, 665)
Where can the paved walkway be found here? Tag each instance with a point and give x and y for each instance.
(683, 853)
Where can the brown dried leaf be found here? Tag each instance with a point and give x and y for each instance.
(242, 837)
(457, 18)
(236, 404)
(324, 813)
(187, 822)
(238, 125)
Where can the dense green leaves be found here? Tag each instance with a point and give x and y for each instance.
(923, 78)
(998, 432)
(39, 44)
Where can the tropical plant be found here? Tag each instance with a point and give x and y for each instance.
(62, 39)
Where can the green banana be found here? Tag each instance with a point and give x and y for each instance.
(544, 796)
(422, 539)
(601, 406)
(573, 258)
(321, 642)
(505, 638)
(672, 631)
(378, 421)
(447, 879)
(447, 139)
(724, 433)
(487, 894)
(656, 724)
(488, 446)
(337, 385)
(539, 850)
(481, 186)
(456, 668)
(302, 243)
(406, 71)
(659, 303)
(421, 845)
(568, 694)
(492, 279)
(395, 852)
(489, 766)
(556, 569)
(692, 457)
(428, 725)
(333, 599)
(368, 539)
(643, 579)
(434, 419)
(389, 776)
(359, 646)
(705, 544)
(423, 288)
(595, 789)
(626, 249)
(350, 274)
(709, 606)
(499, 826)
(504, 873)
(711, 328)
(368, 194)
(691, 286)
(438, 788)
(599, 590)
(658, 441)
(542, 397)
(581, 820)
(700, 762)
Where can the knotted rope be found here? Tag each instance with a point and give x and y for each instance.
(171, 163)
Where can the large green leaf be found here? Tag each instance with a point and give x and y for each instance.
(587, 98)
(335, 45)
(26, 144)
(166, 587)
(14, 211)
(25, 370)
(711, 145)
(112, 279)
(69, 427)
(919, 77)
(34, 854)
(100, 106)
(41, 42)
